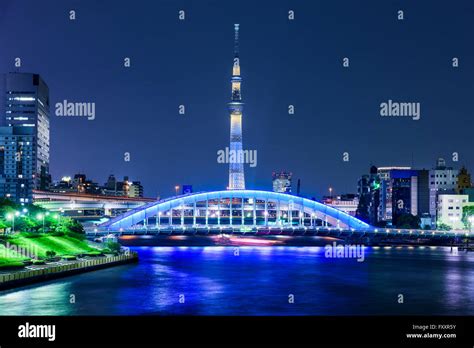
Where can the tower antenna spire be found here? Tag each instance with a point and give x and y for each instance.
(236, 40)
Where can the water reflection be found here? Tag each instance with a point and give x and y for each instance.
(51, 299)
(257, 281)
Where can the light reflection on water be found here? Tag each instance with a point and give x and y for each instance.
(258, 281)
(26, 300)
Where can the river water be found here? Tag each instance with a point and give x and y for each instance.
(261, 281)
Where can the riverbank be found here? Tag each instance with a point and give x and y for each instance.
(54, 270)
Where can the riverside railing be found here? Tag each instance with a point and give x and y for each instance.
(81, 265)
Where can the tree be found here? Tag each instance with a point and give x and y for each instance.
(444, 227)
(407, 221)
(113, 246)
(50, 254)
(3, 225)
(26, 223)
(362, 211)
(468, 212)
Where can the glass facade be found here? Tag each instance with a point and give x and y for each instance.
(25, 105)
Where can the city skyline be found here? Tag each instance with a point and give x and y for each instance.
(310, 143)
(296, 162)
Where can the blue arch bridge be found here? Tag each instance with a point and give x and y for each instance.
(253, 212)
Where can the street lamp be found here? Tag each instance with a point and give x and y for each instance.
(330, 192)
(57, 217)
(42, 216)
(176, 188)
(39, 217)
(11, 216)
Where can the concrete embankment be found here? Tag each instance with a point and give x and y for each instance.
(31, 276)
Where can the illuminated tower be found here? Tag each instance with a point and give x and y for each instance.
(236, 165)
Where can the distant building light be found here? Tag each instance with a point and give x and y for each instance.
(23, 98)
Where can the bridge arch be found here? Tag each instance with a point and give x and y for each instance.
(237, 208)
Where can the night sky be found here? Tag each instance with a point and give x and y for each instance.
(283, 62)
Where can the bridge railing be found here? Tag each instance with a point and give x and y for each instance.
(140, 229)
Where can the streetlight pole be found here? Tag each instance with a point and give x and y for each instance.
(176, 189)
(11, 216)
(44, 215)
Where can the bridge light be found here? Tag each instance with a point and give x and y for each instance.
(376, 230)
(387, 230)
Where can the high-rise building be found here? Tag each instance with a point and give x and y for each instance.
(24, 103)
(404, 187)
(423, 193)
(450, 210)
(131, 188)
(389, 192)
(236, 166)
(282, 182)
(386, 209)
(17, 154)
(111, 183)
(368, 190)
(443, 180)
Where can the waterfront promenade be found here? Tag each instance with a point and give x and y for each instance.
(52, 270)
